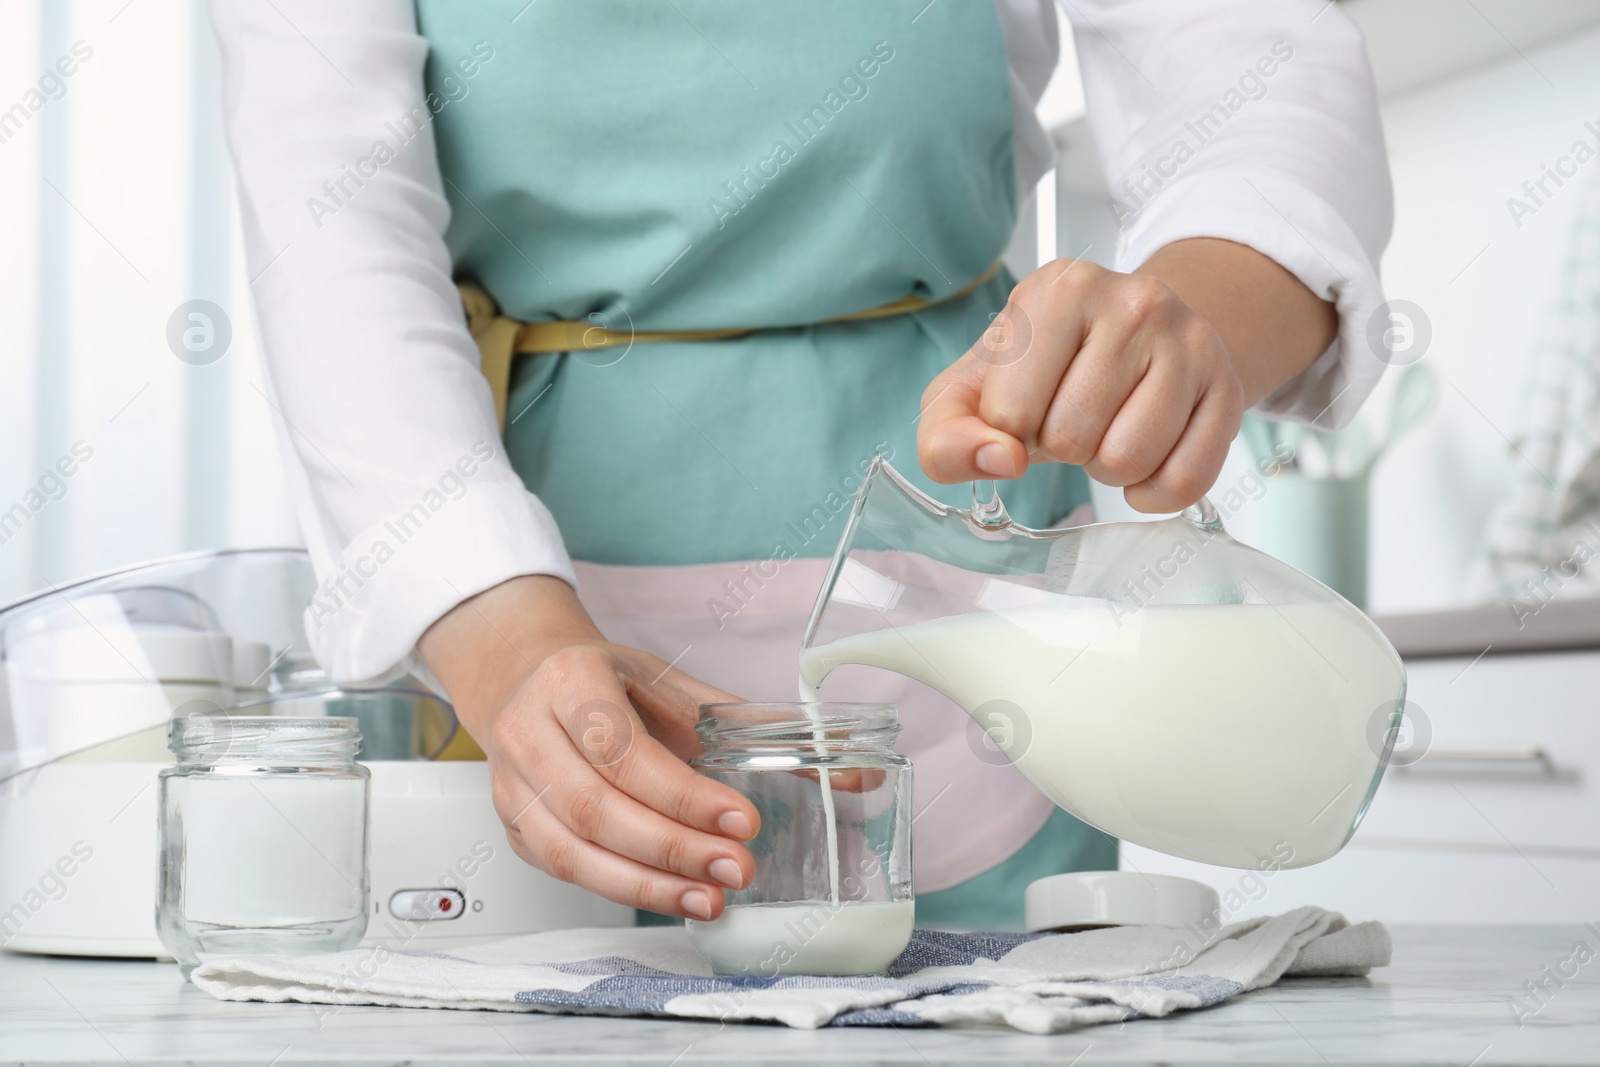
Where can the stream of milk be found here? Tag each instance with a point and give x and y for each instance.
(830, 821)
(1215, 733)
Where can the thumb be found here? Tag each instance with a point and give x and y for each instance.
(954, 444)
(673, 698)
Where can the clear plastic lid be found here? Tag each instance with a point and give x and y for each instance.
(102, 664)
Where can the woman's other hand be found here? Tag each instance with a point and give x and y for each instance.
(587, 744)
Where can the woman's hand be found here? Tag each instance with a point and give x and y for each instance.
(1139, 378)
(587, 743)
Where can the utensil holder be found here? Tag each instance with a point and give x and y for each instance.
(1319, 526)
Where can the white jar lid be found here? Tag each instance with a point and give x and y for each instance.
(1117, 898)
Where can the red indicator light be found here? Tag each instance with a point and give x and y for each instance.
(424, 905)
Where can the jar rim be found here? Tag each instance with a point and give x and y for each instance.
(824, 722)
(824, 708)
(213, 736)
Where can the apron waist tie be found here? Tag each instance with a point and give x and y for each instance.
(500, 339)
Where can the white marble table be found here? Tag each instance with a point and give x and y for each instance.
(1445, 1000)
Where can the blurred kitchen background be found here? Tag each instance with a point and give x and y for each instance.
(123, 216)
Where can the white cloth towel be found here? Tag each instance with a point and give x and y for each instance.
(1039, 983)
(1545, 532)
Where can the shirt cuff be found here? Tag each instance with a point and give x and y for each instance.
(396, 578)
(1299, 230)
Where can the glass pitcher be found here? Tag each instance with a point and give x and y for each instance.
(1158, 680)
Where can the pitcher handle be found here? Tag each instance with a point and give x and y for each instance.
(987, 510)
(1203, 514)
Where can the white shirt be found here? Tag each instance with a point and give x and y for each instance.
(382, 409)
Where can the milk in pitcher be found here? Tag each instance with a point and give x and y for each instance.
(1217, 733)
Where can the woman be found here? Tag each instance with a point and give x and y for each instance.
(666, 174)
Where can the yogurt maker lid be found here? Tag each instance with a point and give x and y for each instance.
(116, 655)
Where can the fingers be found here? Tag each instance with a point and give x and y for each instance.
(588, 807)
(658, 779)
(543, 841)
(1117, 374)
(1143, 430)
(1055, 325)
(598, 802)
(579, 778)
(1084, 405)
(955, 444)
(673, 699)
(589, 698)
(984, 414)
(1194, 463)
(641, 801)
(597, 811)
(1132, 324)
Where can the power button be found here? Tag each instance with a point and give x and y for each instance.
(424, 905)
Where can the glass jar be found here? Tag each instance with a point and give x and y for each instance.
(832, 892)
(263, 831)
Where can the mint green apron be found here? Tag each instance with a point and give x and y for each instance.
(696, 165)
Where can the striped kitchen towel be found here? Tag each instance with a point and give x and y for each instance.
(1039, 983)
(1543, 537)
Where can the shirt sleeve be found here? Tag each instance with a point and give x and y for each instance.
(407, 500)
(1255, 121)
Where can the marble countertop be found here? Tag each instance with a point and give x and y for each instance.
(1445, 1000)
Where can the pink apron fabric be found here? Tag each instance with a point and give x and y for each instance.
(970, 814)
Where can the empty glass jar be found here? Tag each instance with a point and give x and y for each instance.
(263, 837)
(832, 893)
